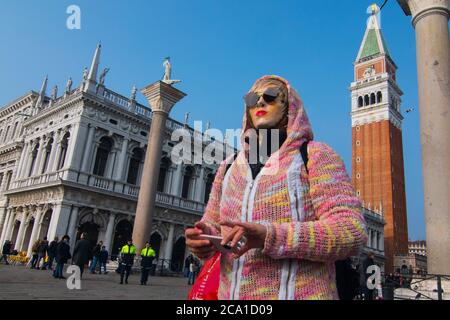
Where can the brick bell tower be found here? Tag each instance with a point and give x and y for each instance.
(377, 148)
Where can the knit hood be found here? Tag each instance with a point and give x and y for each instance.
(298, 128)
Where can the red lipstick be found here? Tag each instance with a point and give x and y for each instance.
(261, 113)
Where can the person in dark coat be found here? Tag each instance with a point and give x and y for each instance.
(62, 256)
(51, 251)
(95, 256)
(103, 258)
(6, 250)
(42, 253)
(81, 253)
(35, 253)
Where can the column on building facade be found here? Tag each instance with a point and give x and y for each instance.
(199, 183)
(88, 150)
(22, 160)
(53, 152)
(2, 219)
(169, 243)
(76, 145)
(369, 239)
(57, 143)
(5, 226)
(18, 241)
(59, 221)
(177, 180)
(111, 163)
(110, 231)
(9, 229)
(40, 152)
(119, 174)
(35, 231)
(28, 160)
(73, 225)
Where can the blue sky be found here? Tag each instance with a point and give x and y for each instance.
(218, 48)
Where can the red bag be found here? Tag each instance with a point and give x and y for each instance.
(206, 286)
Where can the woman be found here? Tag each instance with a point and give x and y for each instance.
(286, 222)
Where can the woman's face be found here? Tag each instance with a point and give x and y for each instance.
(267, 115)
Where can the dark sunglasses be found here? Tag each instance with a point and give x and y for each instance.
(269, 96)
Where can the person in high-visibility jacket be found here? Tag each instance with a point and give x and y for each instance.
(147, 255)
(127, 253)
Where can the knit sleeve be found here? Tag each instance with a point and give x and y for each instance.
(212, 211)
(339, 228)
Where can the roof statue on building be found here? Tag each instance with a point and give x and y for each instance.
(168, 72)
(85, 74)
(54, 94)
(69, 85)
(103, 76)
(133, 93)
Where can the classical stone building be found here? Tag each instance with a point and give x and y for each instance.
(377, 148)
(418, 247)
(71, 163)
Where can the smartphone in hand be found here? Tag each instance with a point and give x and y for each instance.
(216, 240)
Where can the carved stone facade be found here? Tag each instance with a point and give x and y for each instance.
(73, 164)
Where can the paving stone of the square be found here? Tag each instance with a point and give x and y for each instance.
(19, 282)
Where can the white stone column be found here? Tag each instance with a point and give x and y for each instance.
(178, 177)
(169, 243)
(87, 157)
(77, 145)
(35, 231)
(60, 221)
(28, 161)
(119, 172)
(37, 163)
(73, 225)
(199, 185)
(11, 221)
(52, 160)
(5, 226)
(2, 219)
(110, 231)
(23, 158)
(369, 238)
(58, 151)
(18, 241)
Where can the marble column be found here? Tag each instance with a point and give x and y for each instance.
(53, 153)
(59, 221)
(37, 163)
(110, 231)
(177, 178)
(18, 241)
(162, 97)
(119, 174)
(87, 157)
(430, 20)
(2, 219)
(23, 158)
(76, 146)
(199, 185)
(5, 226)
(9, 229)
(169, 243)
(35, 231)
(73, 225)
(28, 161)
(57, 159)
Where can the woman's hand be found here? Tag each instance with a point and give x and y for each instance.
(253, 234)
(202, 248)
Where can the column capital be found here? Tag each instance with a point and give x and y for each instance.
(420, 8)
(162, 96)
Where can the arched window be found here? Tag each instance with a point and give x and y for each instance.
(379, 97)
(135, 163)
(63, 152)
(33, 159)
(188, 174)
(360, 102)
(48, 150)
(101, 158)
(366, 100)
(372, 98)
(208, 186)
(165, 164)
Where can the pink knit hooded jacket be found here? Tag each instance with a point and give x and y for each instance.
(313, 218)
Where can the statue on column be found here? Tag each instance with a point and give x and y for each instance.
(85, 74)
(168, 72)
(186, 119)
(103, 76)
(69, 85)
